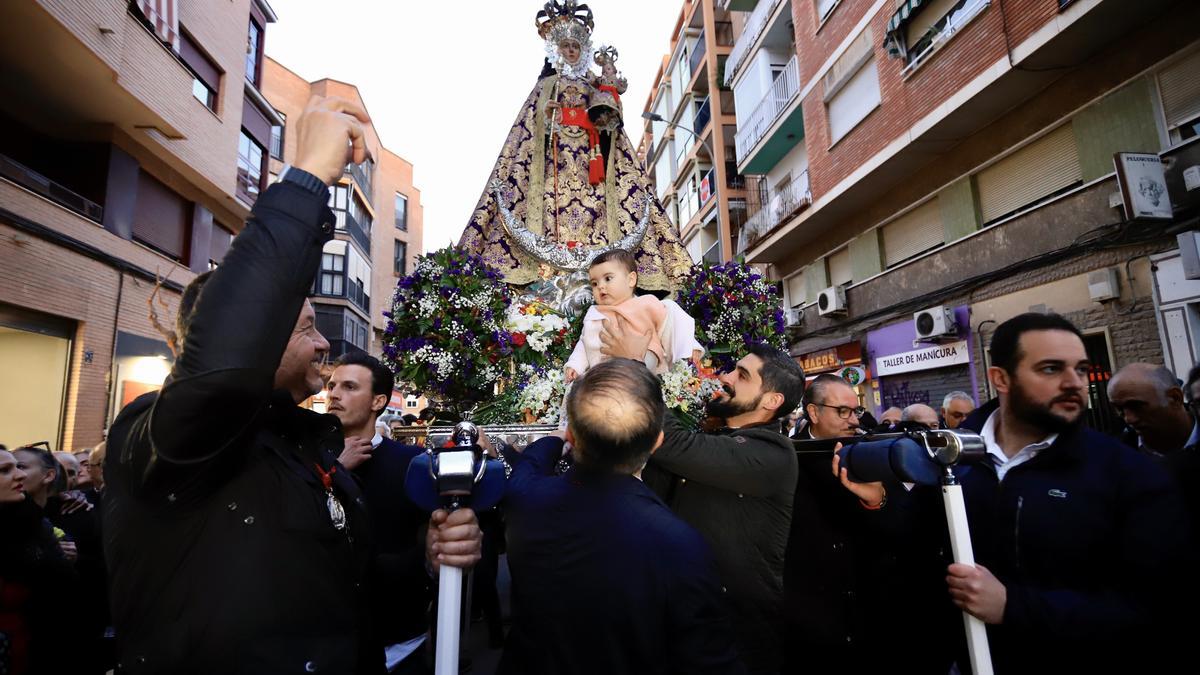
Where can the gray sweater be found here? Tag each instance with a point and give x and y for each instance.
(736, 488)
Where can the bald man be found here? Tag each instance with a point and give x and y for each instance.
(921, 414)
(605, 578)
(1149, 399)
(891, 417)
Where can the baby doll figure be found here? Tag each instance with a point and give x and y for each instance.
(613, 276)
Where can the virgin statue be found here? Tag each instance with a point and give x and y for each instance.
(568, 183)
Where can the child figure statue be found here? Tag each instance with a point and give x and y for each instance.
(613, 277)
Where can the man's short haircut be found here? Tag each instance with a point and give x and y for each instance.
(615, 413)
(956, 396)
(428, 414)
(780, 375)
(619, 255)
(818, 389)
(1006, 341)
(408, 419)
(382, 379)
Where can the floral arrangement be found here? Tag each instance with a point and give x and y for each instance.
(734, 307)
(541, 397)
(539, 335)
(687, 389)
(445, 334)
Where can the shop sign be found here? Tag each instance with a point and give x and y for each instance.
(826, 359)
(937, 356)
(853, 374)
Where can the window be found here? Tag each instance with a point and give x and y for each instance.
(824, 7)
(250, 166)
(400, 263)
(1044, 167)
(401, 212)
(840, 270)
(206, 77)
(218, 245)
(913, 233)
(1179, 85)
(161, 218)
(851, 87)
(253, 52)
(333, 274)
(795, 290)
(277, 139)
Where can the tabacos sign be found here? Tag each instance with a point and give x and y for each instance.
(936, 356)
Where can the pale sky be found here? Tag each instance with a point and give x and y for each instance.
(443, 81)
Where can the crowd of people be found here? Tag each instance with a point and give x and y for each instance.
(231, 530)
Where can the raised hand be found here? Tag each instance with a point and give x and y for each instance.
(330, 133)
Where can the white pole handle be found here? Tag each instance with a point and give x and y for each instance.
(448, 621)
(960, 544)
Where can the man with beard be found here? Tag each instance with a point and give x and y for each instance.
(235, 541)
(1077, 537)
(735, 486)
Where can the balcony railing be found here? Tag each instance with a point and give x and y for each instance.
(699, 49)
(755, 25)
(703, 116)
(775, 209)
(783, 91)
(362, 176)
(36, 182)
(733, 179)
(348, 224)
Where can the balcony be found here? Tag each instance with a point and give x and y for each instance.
(361, 173)
(756, 153)
(36, 182)
(348, 224)
(699, 49)
(775, 209)
(755, 25)
(713, 255)
(724, 32)
(703, 116)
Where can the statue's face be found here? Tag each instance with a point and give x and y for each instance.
(569, 50)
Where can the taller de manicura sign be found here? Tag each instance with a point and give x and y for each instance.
(937, 356)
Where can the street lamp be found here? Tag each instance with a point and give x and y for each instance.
(655, 117)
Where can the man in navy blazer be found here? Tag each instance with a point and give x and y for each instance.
(359, 390)
(605, 579)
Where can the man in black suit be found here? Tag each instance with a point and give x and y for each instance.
(359, 390)
(605, 578)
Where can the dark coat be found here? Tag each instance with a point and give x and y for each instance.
(37, 586)
(221, 551)
(735, 487)
(401, 586)
(605, 579)
(857, 590)
(1087, 538)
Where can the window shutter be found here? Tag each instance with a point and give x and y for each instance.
(854, 101)
(1043, 167)
(161, 218)
(840, 269)
(1180, 87)
(219, 244)
(913, 233)
(797, 290)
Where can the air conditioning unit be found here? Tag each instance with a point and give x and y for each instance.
(793, 318)
(935, 322)
(832, 301)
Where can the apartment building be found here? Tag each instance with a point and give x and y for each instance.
(687, 140)
(931, 168)
(378, 221)
(128, 160)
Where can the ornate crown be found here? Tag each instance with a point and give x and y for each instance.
(605, 55)
(565, 20)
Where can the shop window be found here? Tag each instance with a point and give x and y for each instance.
(35, 353)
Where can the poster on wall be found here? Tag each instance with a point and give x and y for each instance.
(1143, 184)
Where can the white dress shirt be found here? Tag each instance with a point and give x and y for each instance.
(1003, 462)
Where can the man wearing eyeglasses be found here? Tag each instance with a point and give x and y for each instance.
(838, 568)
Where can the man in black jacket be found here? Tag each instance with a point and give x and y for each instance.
(1078, 539)
(735, 486)
(359, 390)
(605, 578)
(235, 542)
